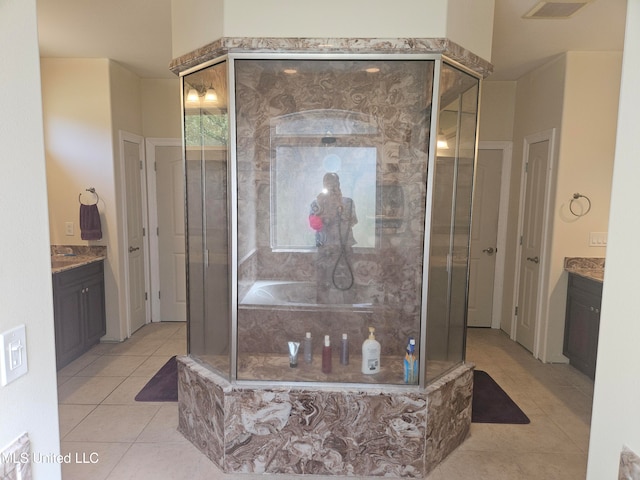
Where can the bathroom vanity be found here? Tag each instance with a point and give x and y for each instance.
(582, 321)
(79, 305)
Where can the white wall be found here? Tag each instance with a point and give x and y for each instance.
(497, 111)
(29, 404)
(467, 22)
(616, 417)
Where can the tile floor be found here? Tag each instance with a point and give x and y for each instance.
(118, 438)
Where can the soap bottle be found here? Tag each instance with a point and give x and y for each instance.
(411, 363)
(344, 350)
(326, 355)
(308, 348)
(371, 354)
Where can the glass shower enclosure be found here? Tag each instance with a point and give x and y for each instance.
(327, 195)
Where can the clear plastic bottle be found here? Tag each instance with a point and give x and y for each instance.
(326, 355)
(308, 348)
(344, 350)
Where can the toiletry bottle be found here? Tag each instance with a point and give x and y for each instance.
(326, 355)
(308, 348)
(411, 363)
(344, 350)
(371, 354)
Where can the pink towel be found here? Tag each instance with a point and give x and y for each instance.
(90, 227)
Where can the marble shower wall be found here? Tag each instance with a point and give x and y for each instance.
(388, 110)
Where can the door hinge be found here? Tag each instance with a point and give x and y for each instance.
(140, 164)
(155, 166)
(158, 231)
(526, 167)
(521, 239)
(144, 232)
(158, 293)
(146, 296)
(516, 313)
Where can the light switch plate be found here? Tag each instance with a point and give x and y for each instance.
(69, 229)
(13, 361)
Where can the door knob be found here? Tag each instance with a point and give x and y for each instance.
(489, 251)
(533, 259)
(133, 249)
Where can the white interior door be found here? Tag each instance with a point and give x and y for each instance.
(133, 159)
(537, 161)
(169, 172)
(484, 237)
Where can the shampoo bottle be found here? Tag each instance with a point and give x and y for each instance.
(326, 355)
(371, 354)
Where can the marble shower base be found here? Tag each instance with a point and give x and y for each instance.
(328, 430)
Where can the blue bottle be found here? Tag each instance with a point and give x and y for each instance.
(411, 363)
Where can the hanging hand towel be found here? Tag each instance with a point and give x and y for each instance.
(90, 227)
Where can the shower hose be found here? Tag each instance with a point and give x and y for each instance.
(342, 256)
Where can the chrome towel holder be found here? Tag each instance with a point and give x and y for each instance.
(577, 196)
(92, 191)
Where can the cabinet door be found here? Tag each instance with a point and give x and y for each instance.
(578, 330)
(69, 327)
(94, 310)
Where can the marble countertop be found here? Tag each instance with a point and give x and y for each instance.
(66, 257)
(588, 267)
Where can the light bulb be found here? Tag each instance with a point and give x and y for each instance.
(211, 96)
(192, 95)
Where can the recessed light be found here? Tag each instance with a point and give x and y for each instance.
(290, 71)
(372, 69)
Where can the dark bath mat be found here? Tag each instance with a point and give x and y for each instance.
(491, 404)
(163, 387)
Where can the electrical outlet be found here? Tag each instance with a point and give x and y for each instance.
(598, 239)
(69, 229)
(13, 362)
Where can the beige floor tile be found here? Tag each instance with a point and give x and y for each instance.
(136, 346)
(163, 427)
(113, 366)
(165, 461)
(78, 364)
(113, 423)
(173, 346)
(87, 390)
(125, 393)
(70, 416)
(151, 366)
(91, 460)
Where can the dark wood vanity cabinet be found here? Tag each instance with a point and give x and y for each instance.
(79, 310)
(582, 323)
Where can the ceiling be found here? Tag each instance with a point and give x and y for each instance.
(137, 33)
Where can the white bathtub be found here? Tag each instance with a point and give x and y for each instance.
(287, 293)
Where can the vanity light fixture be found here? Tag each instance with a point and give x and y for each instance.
(208, 94)
(441, 142)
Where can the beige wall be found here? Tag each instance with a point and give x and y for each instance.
(86, 103)
(585, 165)
(497, 111)
(616, 416)
(28, 404)
(468, 22)
(161, 112)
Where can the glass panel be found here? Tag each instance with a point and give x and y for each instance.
(332, 163)
(206, 142)
(451, 221)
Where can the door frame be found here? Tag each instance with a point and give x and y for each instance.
(503, 214)
(124, 136)
(152, 207)
(542, 300)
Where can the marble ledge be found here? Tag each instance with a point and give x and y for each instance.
(66, 257)
(588, 267)
(227, 45)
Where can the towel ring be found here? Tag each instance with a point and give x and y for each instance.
(576, 196)
(90, 190)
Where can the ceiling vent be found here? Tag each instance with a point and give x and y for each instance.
(553, 10)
